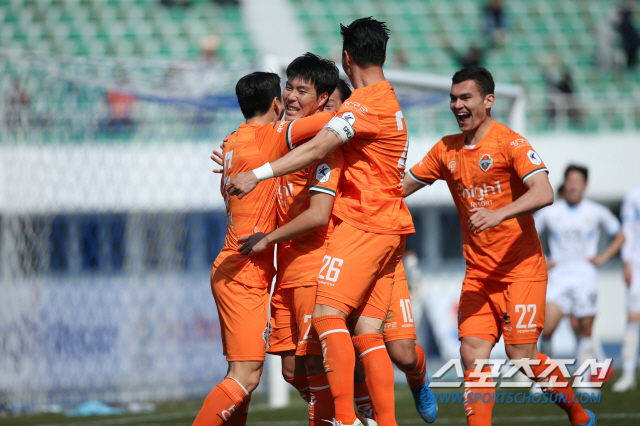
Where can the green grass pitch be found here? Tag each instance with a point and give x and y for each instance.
(614, 409)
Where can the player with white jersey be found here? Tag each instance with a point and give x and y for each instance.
(631, 258)
(573, 226)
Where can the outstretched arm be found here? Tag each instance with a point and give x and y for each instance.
(539, 195)
(410, 185)
(297, 159)
(317, 215)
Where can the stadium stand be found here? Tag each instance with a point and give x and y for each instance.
(127, 28)
(545, 37)
(544, 34)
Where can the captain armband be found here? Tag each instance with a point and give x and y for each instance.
(341, 127)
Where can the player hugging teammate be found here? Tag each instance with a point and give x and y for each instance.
(334, 205)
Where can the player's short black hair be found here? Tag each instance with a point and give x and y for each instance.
(313, 69)
(576, 168)
(256, 91)
(365, 40)
(482, 77)
(344, 90)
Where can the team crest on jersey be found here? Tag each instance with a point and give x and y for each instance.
(350, 117)
(323, 173)
(485, 162)
(452, 165)
(534, 157)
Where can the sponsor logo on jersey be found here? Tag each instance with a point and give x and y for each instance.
(506, 318)
(485, 162)
(480, 191)
(452, 165)
(349, 117)
(356, 106)
(323, 173)
(534, 157)
(519, 142)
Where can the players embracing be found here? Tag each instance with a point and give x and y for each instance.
(356, 278)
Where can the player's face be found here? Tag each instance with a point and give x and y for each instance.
(468, 105)
(334, 102)
(300, 99)
(574, 187)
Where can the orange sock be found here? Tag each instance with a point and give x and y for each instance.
(339, 362)
(362, 398)
(379, 371)
(321, 404)
(416, 377)
(221, 403)
(239, 418)
(302, 386)
(562, 396)
(478, 401)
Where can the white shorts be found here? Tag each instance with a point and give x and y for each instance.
(574, 289)
(633, 292)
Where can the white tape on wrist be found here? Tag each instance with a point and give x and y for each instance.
(342, 127)
(263, 172)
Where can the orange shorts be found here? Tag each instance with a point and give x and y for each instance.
(291, 329)
(399, 324)
(357, 271)
(243, 313)
(489, 309)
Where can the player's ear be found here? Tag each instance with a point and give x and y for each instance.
(277, 107)
(489, 100)
(347, 57)
(322, 100)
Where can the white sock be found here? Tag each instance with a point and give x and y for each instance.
(598, 350)
(630, 348)
(584, 351)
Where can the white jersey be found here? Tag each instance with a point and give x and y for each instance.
(631, 226)
(573, 231)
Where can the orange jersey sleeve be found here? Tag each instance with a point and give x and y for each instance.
(298, 259)
(374, 163)
(325, 175)
(291, 133)
(428, 170)
(525, 161)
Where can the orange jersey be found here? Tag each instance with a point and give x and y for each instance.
(298, 259)
(490, 175)
(374, 163)
(248, 148)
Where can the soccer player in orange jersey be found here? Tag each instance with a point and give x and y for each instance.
(399, 329)
(497, 181)
(356, 275)
(240, 284)
(305, 202)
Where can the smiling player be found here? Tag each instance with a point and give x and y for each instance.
(305, 202)
(497, 181)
